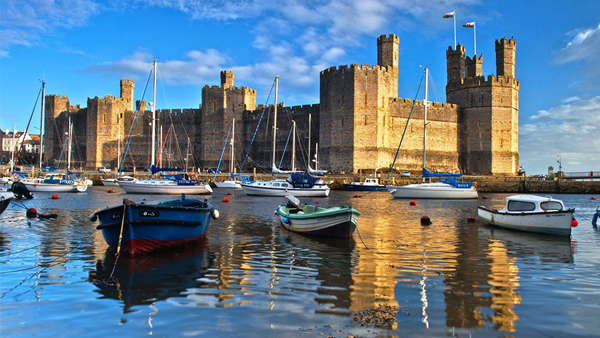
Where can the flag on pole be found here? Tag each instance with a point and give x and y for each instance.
(449, 15)
(469, 24)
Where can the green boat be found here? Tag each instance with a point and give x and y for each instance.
(314, 220)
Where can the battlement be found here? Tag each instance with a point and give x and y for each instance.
(127, 81)
(353, 68)
(460, 50)
(483, 81)
(403, 102)
(506, 43)
(57, 97)
(227, 79)
(388, 38)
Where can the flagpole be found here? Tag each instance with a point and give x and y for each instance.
(454, 29)
(475, 37)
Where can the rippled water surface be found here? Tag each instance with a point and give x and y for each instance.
(253, 278)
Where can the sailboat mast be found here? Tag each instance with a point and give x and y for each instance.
(42, 124)
(275, 118)
(294, 145)
(118, 142)
(69, 140)
(153, 147)
(232, 146)
(425, 119)
(309, 126)
(13, 146)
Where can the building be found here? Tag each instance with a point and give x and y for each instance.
(357, 124)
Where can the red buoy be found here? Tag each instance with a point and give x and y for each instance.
(484, 197)
(143, 199)
(317, 202)
(425, 220)
(593, 198)
(356, 196)
(574, 223)
(229, 193)
(31, 213)
(471, 219)
(225, 199)
(413, 202)
(110, 191)
(54, 197)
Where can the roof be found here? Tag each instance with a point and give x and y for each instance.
(530, 198)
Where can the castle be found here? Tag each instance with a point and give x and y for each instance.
(357, 125)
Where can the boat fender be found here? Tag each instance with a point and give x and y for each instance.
(215, 214)
(574, 223)
(285, 220)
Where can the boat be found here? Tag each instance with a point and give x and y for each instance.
(115, 181)
(369, 184)
(296, 184)
(314, 220)
(231, 183)
(144, 228)
(595, 217)
(447, 188)
(170, 185)
(55, 183)
(5, 197)
(531, 213)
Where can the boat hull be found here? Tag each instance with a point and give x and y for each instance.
(340, 223)
(357, 187)
(432, 191)
(5, 197)
(165, 189)
(556, 223)
(46, 187)
(229, 185)
(109, 181)
(253, 189)
(149, 228)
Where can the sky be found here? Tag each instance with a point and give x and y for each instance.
(82, 48)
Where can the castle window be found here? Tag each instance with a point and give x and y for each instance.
(365, 100)
(103, 117)
(342, 121)
(365, 120)
(342, 100)
(214, 106)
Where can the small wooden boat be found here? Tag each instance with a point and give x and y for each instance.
(370, 184)
(531, 213)
(313, 220)
(144, 228)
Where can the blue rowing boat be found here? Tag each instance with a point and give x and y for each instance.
(144, 228)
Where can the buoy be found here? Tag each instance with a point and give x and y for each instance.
(413, 202)
(484, 197)
(574, 223)
(425, 220)
(593, 198)
(215, 214)
(31, 212)
(229, 193)
(143, 199)
(471, 219)
(55, 197)
(356, 196)
(285, 220)
(317, 202)
(225, 199)
(110, 191)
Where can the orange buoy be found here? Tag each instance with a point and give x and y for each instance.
(356, 196)
(31, 212)
(413, 202)
(225, 199)
(229, 193)
(54, 197)
(574, 223)
(484, 197)
(425, 220)
(110, 191)
(471, 219)
(593, 198)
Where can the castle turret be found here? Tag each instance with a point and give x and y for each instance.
(473, 65)
(226, 79)
(387, 52)
(455, 62)
(505, 57)
(127, 93)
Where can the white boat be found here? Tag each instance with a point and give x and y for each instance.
(229, 184)
(115, 181)
(232, 183)
(531, 213)
(296, 184)
(448, 188)
(5, 197)
(314, 220)
(50, 183)
(369, 184)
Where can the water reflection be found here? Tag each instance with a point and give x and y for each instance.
(148, 279)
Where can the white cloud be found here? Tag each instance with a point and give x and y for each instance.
(585, 44)
(25, 21)
(569, 130)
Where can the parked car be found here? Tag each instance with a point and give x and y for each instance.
(103, 170)
(405, 173)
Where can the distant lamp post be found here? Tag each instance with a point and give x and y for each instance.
(559, 163)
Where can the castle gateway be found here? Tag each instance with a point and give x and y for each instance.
(357, 125)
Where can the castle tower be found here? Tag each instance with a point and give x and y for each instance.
(488, 111)
(387, 55)
(505, 57)
(127, 93)
(55, 105)
(226, 79)
(474, 65)
(455, 63)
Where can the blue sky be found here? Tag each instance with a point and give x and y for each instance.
(84, 47)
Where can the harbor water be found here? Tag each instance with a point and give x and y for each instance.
(252, 278)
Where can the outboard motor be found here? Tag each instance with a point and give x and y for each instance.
(292, 202)
(20, 190)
